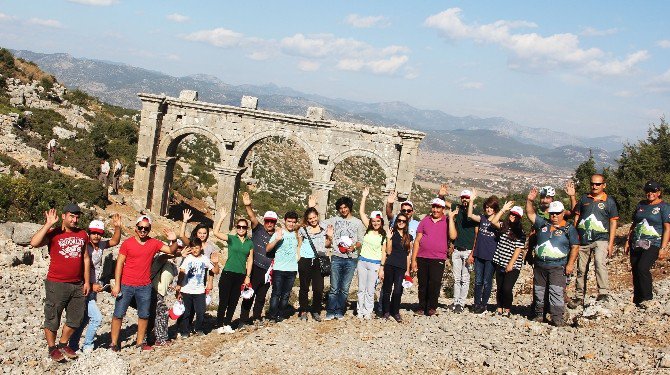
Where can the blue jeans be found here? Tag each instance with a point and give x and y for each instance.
(93, 318)
(484, 270)
(282, 283)
(142, 296)
(341, 274)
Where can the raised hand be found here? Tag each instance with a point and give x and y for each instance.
(570, 188)
(116, 220)
(279, 234)
(311, 200)
(444, 190)
(366, 192)
(389, 233)
(473, 194)
(223, 213)
(51, 216)
(170, 234)
(507, 206)
(330, 231)
(214, 258)
(392, 197)
(532, 194)
(187, 215)
(246, 199)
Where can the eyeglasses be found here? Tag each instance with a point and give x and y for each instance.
(143, 229)
(596, 183)
(404, 211)
(401, 221)
(242, 227)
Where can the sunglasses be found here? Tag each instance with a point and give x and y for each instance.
(437, 206)
(596, 183)
(401, 221)
(406, 211)
(143, 229)
(554, 213)
(242, 227)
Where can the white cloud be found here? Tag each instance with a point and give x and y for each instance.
(591, 31)
(218, 37)
(531, 50)
(176, 17)
(308, 66)
(359, 21)
(98, 3)
(665, 43)
(5, 17)
(472, 85)
(46, 23)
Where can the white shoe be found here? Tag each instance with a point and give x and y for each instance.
(225, 329)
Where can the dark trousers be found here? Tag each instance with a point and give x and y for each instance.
(505, 286)
(549, 281)
(392, 289)
(282, 283)
(310, 273)
(429, 278)
(194, 304)
(641, 261)
(260, 288)
(229, 294)
(484, 270)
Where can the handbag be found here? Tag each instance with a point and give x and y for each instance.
(323, 260)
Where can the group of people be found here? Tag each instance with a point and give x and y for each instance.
(108, 176)
(263, 256)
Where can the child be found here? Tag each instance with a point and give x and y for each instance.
(285, 243)
(192, 289)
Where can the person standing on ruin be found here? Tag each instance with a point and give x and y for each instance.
(596, 217)
(51, 153)
(133, 279)
(67, 283)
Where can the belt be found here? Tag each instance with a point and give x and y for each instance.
(460, 248)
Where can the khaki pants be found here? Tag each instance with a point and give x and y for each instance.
(599, 248)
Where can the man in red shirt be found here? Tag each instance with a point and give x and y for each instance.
(133, 279)
(67, 282)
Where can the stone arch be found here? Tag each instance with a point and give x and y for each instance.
(390, 179)
(168, 145)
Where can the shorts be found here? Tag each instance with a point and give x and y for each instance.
(142, 296)
(63, 296)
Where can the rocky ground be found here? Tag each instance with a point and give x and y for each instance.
(614, 337)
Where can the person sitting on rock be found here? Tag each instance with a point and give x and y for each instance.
(95, 248)
(67, 283)
(133, 278)
(555, 254)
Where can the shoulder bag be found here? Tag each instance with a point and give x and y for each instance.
(323, 260)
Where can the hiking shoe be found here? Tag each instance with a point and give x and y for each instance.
(67, 352)
(603, 298)
(458, 309)
(57, 356)
(329, 317)
(316, 317)
(575, 303)
(144, 347)
(397, 318)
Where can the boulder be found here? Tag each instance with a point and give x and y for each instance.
(63, 133)
(23, 232)
(7, 229)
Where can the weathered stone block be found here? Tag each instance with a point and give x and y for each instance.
(190, 95)
(250, 102)
(315, 113)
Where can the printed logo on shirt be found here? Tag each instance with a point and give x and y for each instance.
(70, 247)
(601, 206)
(544, 229)
(656, 210)
(558, 232)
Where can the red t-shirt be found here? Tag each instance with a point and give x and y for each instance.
(137, 269)
(66, 250)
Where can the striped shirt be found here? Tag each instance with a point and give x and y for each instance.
(505, 250)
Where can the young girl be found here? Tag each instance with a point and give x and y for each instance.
(201, 231)
(315, 238)
(482, 255)
(371, 259)
(236, 271)
(285, 243)
(508, 257)
(193, 282)
(396, 267)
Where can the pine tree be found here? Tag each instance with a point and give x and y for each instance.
(583, 175)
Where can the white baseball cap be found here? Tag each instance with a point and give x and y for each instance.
(142, 218)
(517, 210)
(376, 215)
(556, 207)
(438, 201)
(96, 226)
(466, 193)
(407, 202)
(270, 215)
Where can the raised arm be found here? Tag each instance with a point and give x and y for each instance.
(279, 234)
(442, 194)
(390, 200)
(453, 232)
(311, 201)
(186, 216)
(214, 258)
(361, 210)
(471, 215)
(530, 207)
(505, 208)
(246, 199)
(217, 228)
(570, 190)
(172, 236)
(39, 239)
(116, 237)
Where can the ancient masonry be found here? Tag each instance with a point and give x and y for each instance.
(165, 121)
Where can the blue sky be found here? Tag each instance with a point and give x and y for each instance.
(596, 67)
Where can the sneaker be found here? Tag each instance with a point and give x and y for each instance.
(451, 307)
(506, 314)
(329, 317)
(57, 356)
(367, 317)
(316, 317)
(397, 318)
(539, 319)
(302, 316)
(144, 348)
(603, 298)
(181, 336)
(339, 316)
(575, 303)
(479, 309)
(419, 312)
(386, 316)
(199, 333)
(458, 309)
(67, 352)
(432, 312)
(87, 349)
(225, 329)
(163, 343)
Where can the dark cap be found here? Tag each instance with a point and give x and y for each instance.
(651, 186)
(72, 207)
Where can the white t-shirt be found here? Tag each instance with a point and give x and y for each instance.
(51, 144)
(195, 274)
(104, 167)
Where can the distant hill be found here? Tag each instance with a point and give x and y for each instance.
(119, 84)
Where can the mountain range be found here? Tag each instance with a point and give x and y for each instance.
(119, 84)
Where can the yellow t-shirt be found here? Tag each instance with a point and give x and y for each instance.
(372, 246)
